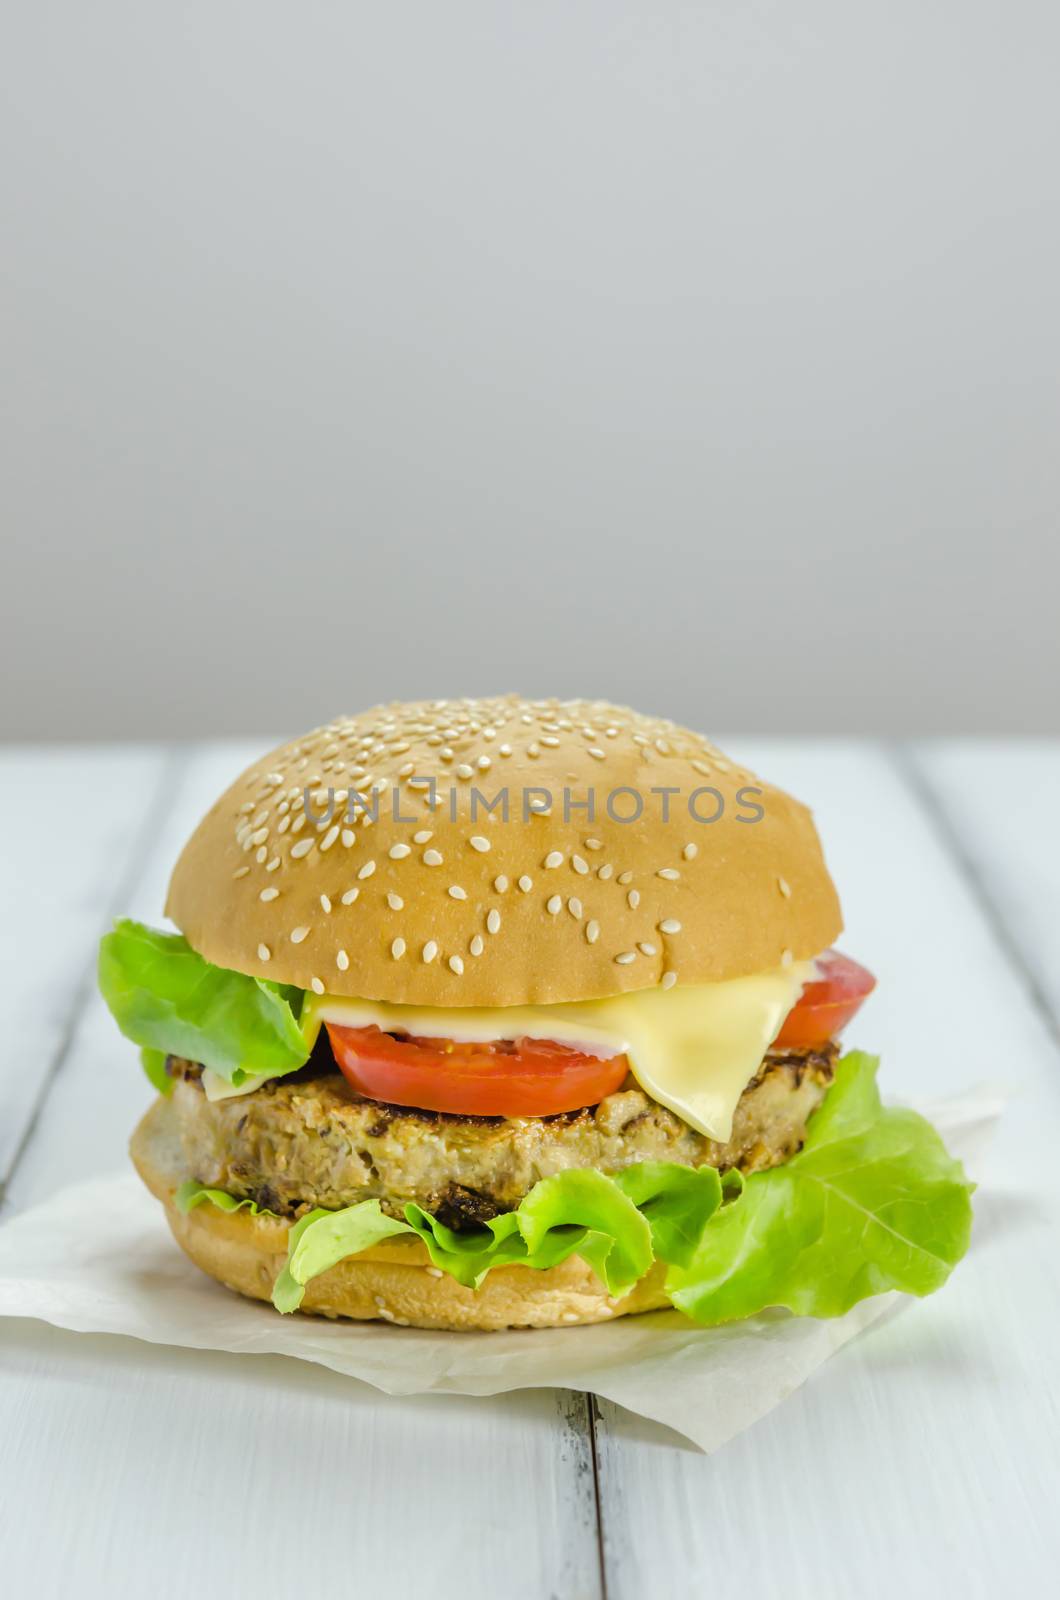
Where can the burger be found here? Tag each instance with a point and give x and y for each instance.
(519, 1013)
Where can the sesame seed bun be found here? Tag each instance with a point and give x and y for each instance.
(393, 1281)
(436, 906)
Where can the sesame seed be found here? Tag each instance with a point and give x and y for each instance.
(432, 858)
(302, 848)
(605, 871)
(316, 986)
(270, 866)
(633, 899)
(330, 837)
(430, 950)
(397, 851)
(574, 906)
(464, 771)
(570, 1316)
(592, 931)
(477, 945)
(456, 893)
(397, 949)
(554, 903)
(597, 753)
(325, 903)
(493, 921)
(670, 925)
(550, 740)
(785, 887)
(593, 844)
(668, 980)
(670, 873)
(484, 763)
(423, 836)
(553, 859)
(526, 884)
(240, 872)
(579, 864)
(348, 836)
(626, 957)
(367, 870)
(456, 965)
(259, 837)
(260, 854)
(264, 953)
(477, 842)
(505, 749)
(394, 901)
(690, 852)
(500, 884)
(298, 934)
(350, 896)
(646, 949)
(268, 894)
(624, 877)
(342, 960)
(786, 958)
(433, 1272)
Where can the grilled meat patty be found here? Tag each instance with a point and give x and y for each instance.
(310, 1140)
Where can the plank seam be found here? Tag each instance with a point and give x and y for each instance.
(175, 761)
(911, 771)
(600, 1550)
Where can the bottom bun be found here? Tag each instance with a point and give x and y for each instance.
(394, 1281)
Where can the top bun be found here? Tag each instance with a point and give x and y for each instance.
(430, 904)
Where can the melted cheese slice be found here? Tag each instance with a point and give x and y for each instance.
(693, 1049)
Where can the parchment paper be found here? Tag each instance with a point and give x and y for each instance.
(98, 1258)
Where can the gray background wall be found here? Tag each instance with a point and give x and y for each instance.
(701, 355)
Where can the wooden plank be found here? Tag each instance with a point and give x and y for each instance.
(927, 1449)
(132, 1469)
(74, 819)
(1000, 802)
(203, 1475)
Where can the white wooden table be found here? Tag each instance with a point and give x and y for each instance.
(922, 1460)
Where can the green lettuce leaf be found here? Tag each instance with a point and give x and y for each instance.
(321, 1239)
(573, 1213)
(872, 1202)
(192, 1194)
(676, 1202)
(167, 998)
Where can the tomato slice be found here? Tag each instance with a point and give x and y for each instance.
(826, 1005)
(511, 1078)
